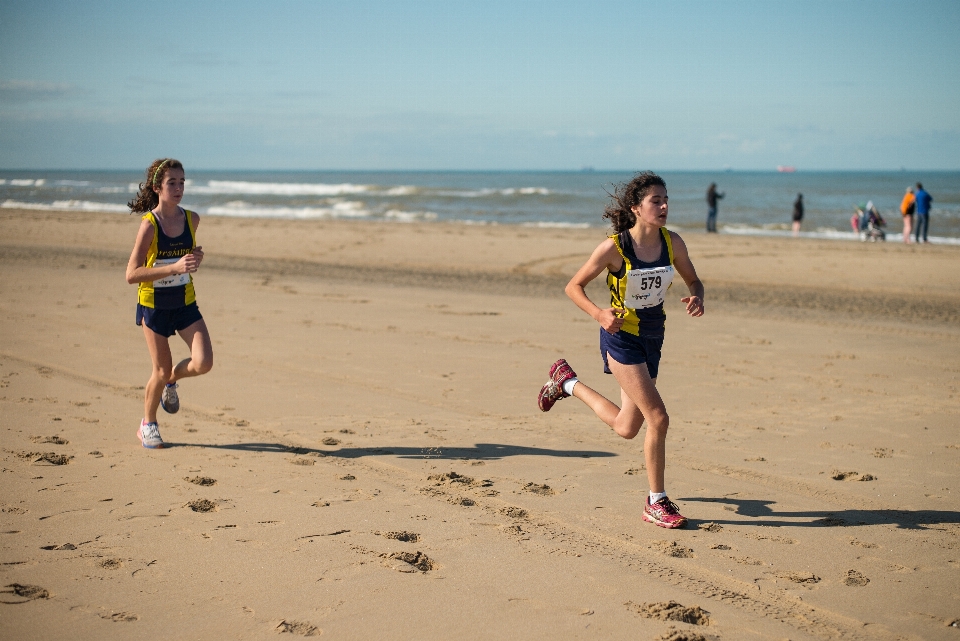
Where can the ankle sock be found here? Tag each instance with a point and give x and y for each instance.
(656, 496)
(568, 386)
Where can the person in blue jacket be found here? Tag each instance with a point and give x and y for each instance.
(923, 200)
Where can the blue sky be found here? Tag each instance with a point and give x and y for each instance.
(484, 85)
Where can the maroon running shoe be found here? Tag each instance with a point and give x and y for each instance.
(560, 373)
(664, 513)
(552, 390)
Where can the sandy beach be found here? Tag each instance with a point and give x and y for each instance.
(367, 460)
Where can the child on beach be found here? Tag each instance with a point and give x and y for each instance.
(164, 256)
(640, 258)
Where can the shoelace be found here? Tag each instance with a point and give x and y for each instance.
(669, 507)
(150, 431)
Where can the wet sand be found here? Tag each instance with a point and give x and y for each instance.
(366, 459)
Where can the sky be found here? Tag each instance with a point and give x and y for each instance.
(492, 85)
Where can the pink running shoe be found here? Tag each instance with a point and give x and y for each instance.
(664, 513)
(560, 373)
(552, 390)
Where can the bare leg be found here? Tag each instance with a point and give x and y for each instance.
(200, 362)
(641, 400)
(907, 228)
(159, 347)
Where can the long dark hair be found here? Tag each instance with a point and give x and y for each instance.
(146, 199)
(628, 195)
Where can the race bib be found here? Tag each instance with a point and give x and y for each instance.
(647, 287)
(175, 280)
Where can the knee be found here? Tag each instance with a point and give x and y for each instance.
(658, 423)
(205, 364)
(627, 431)
(163, 372)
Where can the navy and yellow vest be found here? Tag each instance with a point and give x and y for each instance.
(175, 291)
(639, 322)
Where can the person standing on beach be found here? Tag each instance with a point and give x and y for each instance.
(164, 257)
(797, 214)
(640, 259)
(923, 212)
(907, 207)
(712, 197)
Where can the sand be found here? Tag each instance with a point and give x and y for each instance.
(367, 460)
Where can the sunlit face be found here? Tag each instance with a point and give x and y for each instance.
(652, 210)
(171, 186)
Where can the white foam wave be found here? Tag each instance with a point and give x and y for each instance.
(66, 205)
(824, 233)
(277, 189)
(484, 193)
(240, 209)
(547, 224)
(409, 216)
(27, 182)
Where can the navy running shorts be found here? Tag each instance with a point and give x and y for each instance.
(168, 322)
(628, 349)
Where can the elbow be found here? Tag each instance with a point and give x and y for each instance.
(131, 280)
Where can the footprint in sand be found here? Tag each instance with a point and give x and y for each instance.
(299, 627)
(671, 611)
(25, 593)
(540, 490)
(111, 564)
(204, 481)
(855, 579)
(673, 634)
(710, 527)
(121, 617)
(64, 546)
(330, 441)
(406, 537)
(417, 560)
(202, 505)
(514, 512)
(674, 549)
(803, 578)
(56, 440)
(837, 475)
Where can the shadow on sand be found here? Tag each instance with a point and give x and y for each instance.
(479, 452)
(762, 514)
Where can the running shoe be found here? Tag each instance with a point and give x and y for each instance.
(664, 513)
(552, 390)
(149, 434)
(170, 400)
(560, 373)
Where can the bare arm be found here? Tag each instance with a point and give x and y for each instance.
(605, 256)
(684, 267)
(137, 273)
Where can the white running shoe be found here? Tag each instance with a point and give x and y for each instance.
(149, 434)
(170, 400)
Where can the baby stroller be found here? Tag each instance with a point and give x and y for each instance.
(870, 223)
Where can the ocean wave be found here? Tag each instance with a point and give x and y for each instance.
(823, 233)
(547, 224)
(486, 193)
(276, 189)
(26, 182)
(240, 209)
(66, 205)
(409, 216)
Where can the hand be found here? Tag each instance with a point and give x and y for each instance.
(187, 265)
(198, 252)
(610, 320)
(694, 305)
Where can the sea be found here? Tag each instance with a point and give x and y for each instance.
(754, 203)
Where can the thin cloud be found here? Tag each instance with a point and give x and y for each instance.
(20, 91)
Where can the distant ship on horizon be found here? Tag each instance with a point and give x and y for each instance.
(786, 169)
